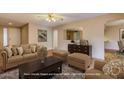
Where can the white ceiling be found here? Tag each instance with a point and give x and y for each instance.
(115, 22)
(19, 19)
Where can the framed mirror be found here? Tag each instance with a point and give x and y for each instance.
(73, 34)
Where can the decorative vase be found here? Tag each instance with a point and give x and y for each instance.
(42, 54)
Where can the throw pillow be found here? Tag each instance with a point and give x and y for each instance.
(33, 49)
(25, 46)
(113, 68)
(20, 50)
(9, 52)
(14, 51)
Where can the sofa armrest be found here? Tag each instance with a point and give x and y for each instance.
(99, 65)
(4, 59)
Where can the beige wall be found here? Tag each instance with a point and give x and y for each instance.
(93, 30)
(14, 36)
(55, 39)
(33, 35)
(1, 37)
(29, 34)
(112, 36)
(24, 34)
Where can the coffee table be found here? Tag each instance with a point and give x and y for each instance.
(36, 69)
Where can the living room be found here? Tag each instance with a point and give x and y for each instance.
(61, 46)
(17, 30)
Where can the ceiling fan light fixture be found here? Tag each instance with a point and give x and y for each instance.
(49, 20)
(53, 17)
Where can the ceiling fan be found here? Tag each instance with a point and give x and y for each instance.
(51, 17)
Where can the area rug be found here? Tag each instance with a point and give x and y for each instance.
(110, 56)
(67, 73)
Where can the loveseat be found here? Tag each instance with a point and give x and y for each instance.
(16, 55)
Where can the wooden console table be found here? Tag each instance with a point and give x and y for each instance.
(74, 48)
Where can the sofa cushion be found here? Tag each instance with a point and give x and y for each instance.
(9, 51)
(14, 51)
(29, 56)
(27, 51)
(20, 50)
(33, 48)
(17, 58)
(25, 48)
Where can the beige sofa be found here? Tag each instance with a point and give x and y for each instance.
(15, 60)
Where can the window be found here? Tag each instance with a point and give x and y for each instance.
(5, 36)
